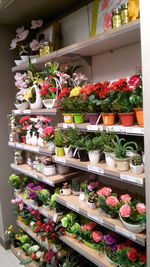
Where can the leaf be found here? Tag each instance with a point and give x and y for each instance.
(26, 261)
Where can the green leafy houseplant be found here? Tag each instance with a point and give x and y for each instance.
(74, 105)
(73, 136)
(68, 221)
(137, 160)
(94, 143)
(58, 138)
(44, 196)
(93, 104)
(122, 103)
(106, 104)
(16, 181)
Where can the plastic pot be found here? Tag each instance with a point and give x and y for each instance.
(127, 119)
(60, 151)
(79, 118)
(65, 191)
(108, 118)
(139, 116)
(68, 152)
(94, 156)
(93, 117)
(122, 164)
(83, 155)
(68, 117)
(109, 158)
(92, 206)
(75, 153)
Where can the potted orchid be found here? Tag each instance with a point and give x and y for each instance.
(21, 84)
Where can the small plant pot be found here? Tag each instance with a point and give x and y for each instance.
(127, 119)
(22, 106)
(79, 118)
(49, 103)
(75, 193)
(92, 206)
(83, 155)
(62, 169)
(75, 153)
(18, 191)
(68, 117)
(130, 153)
(108, 118)
(139, 116)
(68, 152)
(94, 156)
(93, 117)
(49, 170)
(60, 151)
(24, 139)
(109, 260)
(46, 207)
(109, 158)
(51, 147)
(65, 191)
(137, 169)
(134, 228)
(123, 164)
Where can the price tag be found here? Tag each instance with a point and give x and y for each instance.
(27, 111)
(34, 60)
(135, 130)
(116, 128)
(125, 232)
(92, 127)
(68, 125)
(17, 111)
(55, 217)
(19, 145)
(95, 169)
(32, 148)
(71, 206)
(130, 178)
(82, 196)
(59, 159)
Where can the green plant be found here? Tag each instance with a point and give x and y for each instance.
(75, 184)
(73, 105)
(106, 104)
(137, 160)
(73, 136)
(93, 104)
(122, 103)
(81, 143)
(68, 220)
(92, 197)
(58, 138)
(94, 143)
(120, 147)
(44, 196)
(15, 181)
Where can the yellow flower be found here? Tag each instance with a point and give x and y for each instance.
(20, 218)
(75, 91)
(10, 228)
(17, 236)
(28, 93)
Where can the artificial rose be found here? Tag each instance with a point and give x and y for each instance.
(141, 208)
(132, 254)
(89, 226)
(121, 246)
(24, 118)
(111, 238)
(105, 191)
(125, 198)
(135, 81)
(97, 236)
(125, 211)
(143, 257)
(43, 92)
(112, 201)
(46, 85)
(39, 223)
(36, 23)
(49, 130)
(25, 127)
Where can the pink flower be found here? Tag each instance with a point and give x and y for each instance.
(35, 45)
(20, 30)
(49, 130)
(112, 201)
(21, 206)
(45, 118)
(36, 23)
(105, 191)
(135, 81)
(105, 4)
(125, 211)
(89, 226)
(141, 208)
(13, 201)
(125, 198)
(107, 21)
(97, 236)
(13, 43)
(22, 35)
(26, 127)
(37, 126)
(18, 76)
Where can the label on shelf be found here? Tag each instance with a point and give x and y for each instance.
(32, 148)
(135, 130)
(95, 169)
(20, 146)
(60, 159)
(27, 111)
(17, 111)
(68, 125)
(71, 206)
(19, 251)
(96, 218)
(130, 178)
(82, 196)
(125, 232)
(115, 128)
(33, 61)
(92, 127)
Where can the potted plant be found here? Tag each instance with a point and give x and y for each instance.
(108, 115)
(93, 146)
(120, 148)
(48, 168)
(132, 214)
(66, 189)
(81, 146)
(73, 137)
(111, 246)
(67, 146)
(68, 222)
(106, 140)
(20, 102)
(65, 103)
(17, 182)
(77, 107)
(20, 82)
(92, 200)
(75, 186)
(58, 141)
(25, 126)
(48, 136)
(136, 164)
(44, 197)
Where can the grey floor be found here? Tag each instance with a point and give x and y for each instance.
(7, 259)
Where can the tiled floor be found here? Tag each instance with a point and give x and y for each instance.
(7, 259)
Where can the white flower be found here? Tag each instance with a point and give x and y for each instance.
(35, 248)
(18, 76)
(35, 45)
(38, 254)
(32, 223)
(20, 30)
(36, 23)
(13, 43)
(22, 35)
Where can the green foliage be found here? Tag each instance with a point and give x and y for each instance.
(58, 138)
(122, 103)
(106, 104)
(137, 160)
(26, 261)
(69, 220)
(44, 196)
(73, 105)
(93, 104)
(16, 181)
(73, 136)
(94, 143)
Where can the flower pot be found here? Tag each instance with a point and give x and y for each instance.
(18, 191)
(68, 117)
(79, 118)
(46, 207)
(68, 152)
(75, 153)
(127, 119)
(108, 118)
(22, 106)
(49, 170)
(137, 169)
(24, 139)
(65, 191)
(70, 235)
(109, 158)
(83, 155)
(90, 245)
(75, 193)
(51, 147)
(109, 260)
(62, 169)
(92, 206)
(93, 117)
(38, 104)
(18, 62)
(139, 116)
(49, 103)
(123, 164)
(134, 228)
(94, 156)
(60, 151)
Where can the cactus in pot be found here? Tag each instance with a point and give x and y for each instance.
(137, 165)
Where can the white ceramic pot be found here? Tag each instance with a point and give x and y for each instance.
(46, 207)
(68, 152)
(62, 169)
(137, 169)
(94, 156)
(34, 140)
(75, 193)
(109, 260)
(134, 228)
(49, 170)
(65, 191)
(38, 104)
(22, 106)
(109, 158)
(18, 191)
(51, 147)
(49, 103)
(28, 138)
(130, 153)
(92, 206)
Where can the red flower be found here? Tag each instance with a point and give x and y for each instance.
(46, 85)
(89, 226)
(128, 243)
(105, 4)
(97, 236)
(132, 254)
(33, 256)
(49, 255)
(49, 130)
(143, 257)
(43, 92)
(135, 81)
(122, 246)
(48, 227)
(24, 118)
(65, 92)
(53, 235)
(25, 127)
(62, 230)
(38, 229)
(39, 223)
(53, 89)
(36, 213)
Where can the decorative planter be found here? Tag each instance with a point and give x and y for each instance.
(18, 62)
(127, 119)
(49, 103)
(123, 164)
(109, 158)
(62, 169)
(75, 193)
(109, 260)
(94, 156)
(137, 169)
(46, 207)
(68, 152)
(60, 151)
(18, 191)
(93, 118)
(38, 104)
(139, 116)
(134, 228)
(49, 170)
(22, 106)
(66, 191)
(83, 155)
(68, 117)
(108, 118)
(79, 118)
(90, 245)
(24, 139)
(92, 206)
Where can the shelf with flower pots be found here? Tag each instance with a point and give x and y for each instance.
(50, 180)
(19, 253)
(73, 203)
(52, 111)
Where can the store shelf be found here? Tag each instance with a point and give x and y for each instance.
(30, 148)
(43, 111)
(72, 202)
(18, 252)
(50, 180)
(118, 129)
(115, 38)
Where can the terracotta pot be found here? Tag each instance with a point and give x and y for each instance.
(24, 139)
(127, 119)
(68, 117)
(108, 118)
(93, 117)
(139, 116)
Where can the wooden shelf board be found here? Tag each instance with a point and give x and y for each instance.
(50, 180)
(115, 38)
(73, 203)
(43, 111)
(19, 253)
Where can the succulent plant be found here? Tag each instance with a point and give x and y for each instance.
(137, 160)
(92, 197)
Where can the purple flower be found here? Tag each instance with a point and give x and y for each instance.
(32, 195)
(111, 238)
(114, 247)
(93, 185)
(30, 209)
(38, 187)
(31, 186)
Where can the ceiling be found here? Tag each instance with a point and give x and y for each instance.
(20, 12)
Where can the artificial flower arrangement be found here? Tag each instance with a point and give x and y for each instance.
(18, 182)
